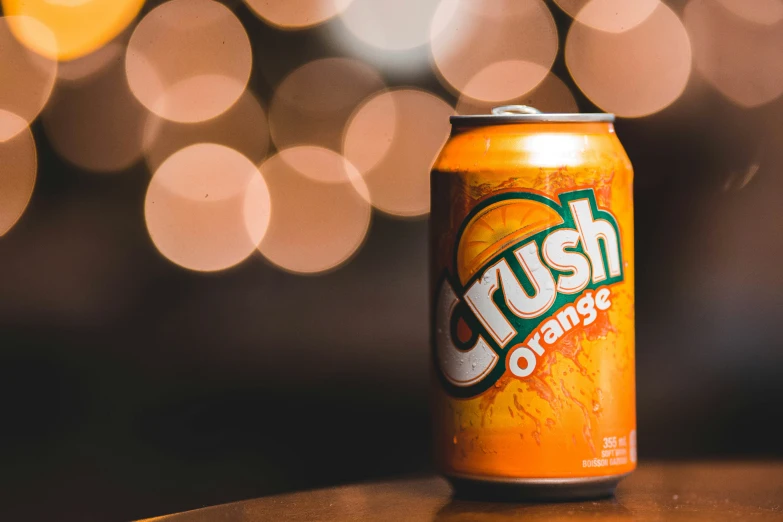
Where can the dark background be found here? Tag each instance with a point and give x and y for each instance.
(130, 387)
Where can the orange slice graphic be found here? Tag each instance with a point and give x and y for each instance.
(498, 226)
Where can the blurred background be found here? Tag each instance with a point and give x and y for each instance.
(214, 218)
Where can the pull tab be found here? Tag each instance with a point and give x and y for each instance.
(514, 109)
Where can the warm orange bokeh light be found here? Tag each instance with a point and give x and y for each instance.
(614, 16)
(243, 128)
(26, 79)
(312, 104)
(298, 14)
(80, 27)
(497, 38)
(189, 60)
(393, 25)
(633, 73)
(207, 207)
(393, 139)
(97, 123)
(551, 95)
(318, 220)
(18, 165)
(742, 59)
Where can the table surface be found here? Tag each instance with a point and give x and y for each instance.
(669, 491)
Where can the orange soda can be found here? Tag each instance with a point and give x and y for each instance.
(532, 286)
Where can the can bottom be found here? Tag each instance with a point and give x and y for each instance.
(476, 487)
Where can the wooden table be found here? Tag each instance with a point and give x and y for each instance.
(683, 491)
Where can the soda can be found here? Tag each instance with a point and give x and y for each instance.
(532, 302)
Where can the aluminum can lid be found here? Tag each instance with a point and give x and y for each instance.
(525, 114)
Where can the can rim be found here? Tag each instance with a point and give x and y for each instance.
(500, 119)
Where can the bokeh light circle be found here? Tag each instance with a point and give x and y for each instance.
(243, 128)
(26, 78)
(189, 60)
(18, 166)
(742, 59)
(207, 207)
(79, 26)
(634, 73)
(297, 14)
(393, 25)
(393, 139)
(494, 38)
(613, 16)
(551, 95)
(97, 123)
(312, 104)
(318, 221)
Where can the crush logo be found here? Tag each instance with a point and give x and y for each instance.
(529, 269)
